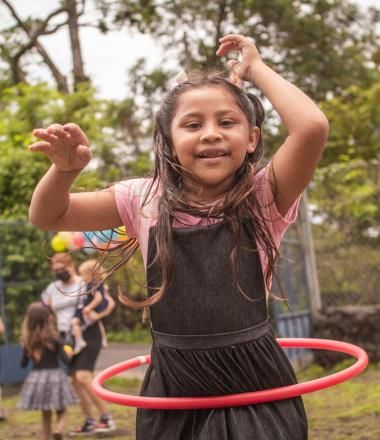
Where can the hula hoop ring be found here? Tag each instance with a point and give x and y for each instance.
(240, 399)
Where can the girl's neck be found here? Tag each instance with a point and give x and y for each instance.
(204, 195)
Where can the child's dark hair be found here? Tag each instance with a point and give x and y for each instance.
(38, 330)
(238, 207)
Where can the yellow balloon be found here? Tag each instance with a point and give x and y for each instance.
(67, 237)
(122, 233)
(58, 244)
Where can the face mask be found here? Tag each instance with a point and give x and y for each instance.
(62, 275)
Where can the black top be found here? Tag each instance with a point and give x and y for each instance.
(209, 339)
(49, 359)
(204, 297)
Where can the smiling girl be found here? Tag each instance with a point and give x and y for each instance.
(209, 224)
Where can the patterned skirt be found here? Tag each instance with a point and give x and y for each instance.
(47, 389)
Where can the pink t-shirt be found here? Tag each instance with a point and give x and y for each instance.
(129, 195)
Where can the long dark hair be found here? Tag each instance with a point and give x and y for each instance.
(239, 206)
(38, 330)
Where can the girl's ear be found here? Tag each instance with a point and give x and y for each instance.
(254, 135)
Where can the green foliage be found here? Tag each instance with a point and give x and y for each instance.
(22, 108)
(346, 197)
(323, 46)
(347, 183)
(23, 249)
(24, 270)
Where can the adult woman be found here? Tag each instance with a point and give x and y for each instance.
(82, 369)
(63, 296)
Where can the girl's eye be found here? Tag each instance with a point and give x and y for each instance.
(193, 125)
(226, 122)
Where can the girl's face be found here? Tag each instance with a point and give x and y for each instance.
(211, 137)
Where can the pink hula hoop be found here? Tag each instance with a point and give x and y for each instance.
(241, 399)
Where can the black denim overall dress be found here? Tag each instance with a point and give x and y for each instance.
(208, 339)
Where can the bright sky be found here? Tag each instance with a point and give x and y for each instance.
(106, 57)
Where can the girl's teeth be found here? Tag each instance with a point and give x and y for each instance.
(212, 154)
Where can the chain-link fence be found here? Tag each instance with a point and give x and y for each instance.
(348, 266)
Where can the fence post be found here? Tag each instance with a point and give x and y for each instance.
(310, 261)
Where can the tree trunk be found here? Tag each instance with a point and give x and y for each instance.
(18, 75)
(59, 78)
(78, 68)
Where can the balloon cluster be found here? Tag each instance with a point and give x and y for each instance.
(90, 241)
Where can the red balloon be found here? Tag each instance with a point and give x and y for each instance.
(78, 239)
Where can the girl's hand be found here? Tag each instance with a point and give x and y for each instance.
(65, 145)
(249, 54)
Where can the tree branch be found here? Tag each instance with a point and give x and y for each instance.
(33, 36)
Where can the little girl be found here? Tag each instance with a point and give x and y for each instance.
(209, 224)
(47, 386)
(94, 299)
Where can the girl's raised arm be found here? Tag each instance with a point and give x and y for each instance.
(53, 207)
(294, 163)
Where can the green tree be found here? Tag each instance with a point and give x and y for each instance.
(23, 248)
(347, 183)
(346, 198)
(322, 45)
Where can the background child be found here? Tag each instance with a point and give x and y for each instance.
(209, 225)
(94, 299)
(47, 387)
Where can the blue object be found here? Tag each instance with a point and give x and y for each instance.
(10, 370)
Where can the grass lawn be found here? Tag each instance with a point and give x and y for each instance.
(347, 411)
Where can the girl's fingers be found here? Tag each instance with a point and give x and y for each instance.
(53, 127)
(39, 146)
(76, 133)
(57, 130)
(234, 42)
(44, 134)
(226, 47)
(72, 128)
(84, 153)
(232, 37)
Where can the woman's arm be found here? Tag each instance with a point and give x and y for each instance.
(53, 207)
(294, 163)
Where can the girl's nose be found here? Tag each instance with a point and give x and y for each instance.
(210, 135)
